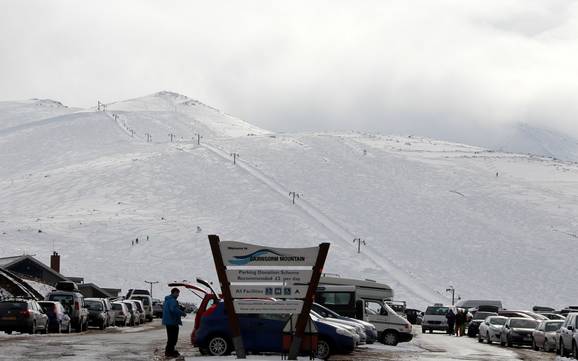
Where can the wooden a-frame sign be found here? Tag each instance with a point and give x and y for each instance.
(229, 255)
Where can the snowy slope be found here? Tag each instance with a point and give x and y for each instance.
(17, 113)
(432, 213)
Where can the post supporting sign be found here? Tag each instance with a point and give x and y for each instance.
(254, 278)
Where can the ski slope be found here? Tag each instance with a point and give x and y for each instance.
(433, 214)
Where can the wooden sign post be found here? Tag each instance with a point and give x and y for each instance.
(261, 275)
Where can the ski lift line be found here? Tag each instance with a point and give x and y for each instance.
(406, 281)
(125, 130)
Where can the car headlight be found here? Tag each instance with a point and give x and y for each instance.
(343, 332)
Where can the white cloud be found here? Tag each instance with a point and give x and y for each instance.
(439, 68)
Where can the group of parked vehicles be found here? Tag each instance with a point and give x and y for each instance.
(543, 328)
(347, 313)
(66, 310)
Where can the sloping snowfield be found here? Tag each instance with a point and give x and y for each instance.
(493, 225)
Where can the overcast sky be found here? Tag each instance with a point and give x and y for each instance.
(439, 68)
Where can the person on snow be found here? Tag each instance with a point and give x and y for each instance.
(172, 314)
(451, 317)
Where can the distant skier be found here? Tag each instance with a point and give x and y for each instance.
(132, 243)
(199, 230)
(147, 238)
(136, 241)
(496, 174)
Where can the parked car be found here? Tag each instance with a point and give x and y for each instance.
(370, 330)
(147, 303)
(510, 314)
(477, 320)
(491, 329)
(122, 316)
(133, 311)
(567, 336)
(73, 303)
(157, 308)
(97, 315)
(22, 315)
(262, 333)
(554, 316)
(544, 336)
(58, 320)
(353, 327)
(435, 319)
(141, 310)
(415, 317)
(518, 331)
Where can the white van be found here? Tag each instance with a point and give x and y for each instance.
(435, 318)
(365, 300)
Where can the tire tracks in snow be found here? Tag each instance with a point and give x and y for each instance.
(405, 281)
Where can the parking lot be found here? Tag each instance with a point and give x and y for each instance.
(147, 343)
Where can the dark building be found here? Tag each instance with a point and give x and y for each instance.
(30, 268)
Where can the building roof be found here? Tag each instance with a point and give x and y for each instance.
(7, 262)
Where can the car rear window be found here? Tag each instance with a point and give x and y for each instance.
(60, 298)
(553, 326)
(13, 305)
(437, 311)
(116, 306)
(498, 321)
(93, 306)
(145, 300)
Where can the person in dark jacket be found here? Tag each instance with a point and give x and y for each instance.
(451, 317)
(171, 320)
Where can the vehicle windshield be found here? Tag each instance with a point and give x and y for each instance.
(498, 321)
(553, 326)
(13, 305)
(437, 311)
(93, 306)
(523, 323)
(64, 299)
(325, 312)
(116, 306)
(482, 315)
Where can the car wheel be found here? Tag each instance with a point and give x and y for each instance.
(546, 348)
(480, 339)
(502, 343)
(423, 330)
(509, 341)
(32, 329)
(102, 326)
(488, 338)
(45, 330)
(561, 350)
(69, 328)
(219, 346)
(323, 349)
(390, 338)
(574, 351)
(430, 331)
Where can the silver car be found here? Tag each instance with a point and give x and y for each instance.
(567, 336)
(491, 329)
(544, 336)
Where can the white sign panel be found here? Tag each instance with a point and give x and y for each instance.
(270, 275)
(244, 254)
(289, 291)
(264, 306)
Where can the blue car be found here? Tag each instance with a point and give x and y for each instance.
(263, 333)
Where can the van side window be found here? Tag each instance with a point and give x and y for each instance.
(335, 298)
(374, 308)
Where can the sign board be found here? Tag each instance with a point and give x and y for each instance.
(270, 307)
(244, 254)
(286, 276)
(292, 323)
(268, 291)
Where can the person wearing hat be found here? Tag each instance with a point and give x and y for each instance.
(172, 314)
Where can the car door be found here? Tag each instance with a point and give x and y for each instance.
(247, 323)
(269, 332)
(566, 332)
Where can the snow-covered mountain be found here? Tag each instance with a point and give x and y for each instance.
(432, 213)
(525, 138)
